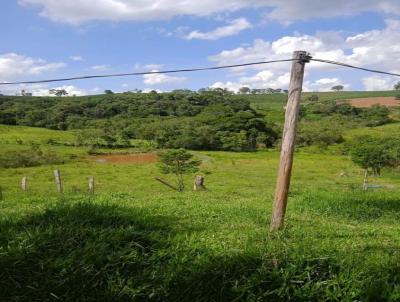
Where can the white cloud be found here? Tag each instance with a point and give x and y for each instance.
(376, 49)
(79, 11)
(41, 90)
(99, 67)
(234, 27)
(156, 79)
(13, 65)
(76, 58)
(378, 83)
(324, 84)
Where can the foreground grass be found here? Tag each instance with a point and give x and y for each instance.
(201, 247)
(136, 240)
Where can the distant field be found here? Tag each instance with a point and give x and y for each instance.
(272, 104)
(370, 101)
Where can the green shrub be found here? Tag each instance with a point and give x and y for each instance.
(178, 162)
(29, 158)
(375, 116)
(313, 98)
(375, 153)
(321, 134)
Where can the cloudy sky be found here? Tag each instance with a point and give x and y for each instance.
(51, 38)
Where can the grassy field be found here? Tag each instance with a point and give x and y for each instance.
(137, 240)
(272, 105)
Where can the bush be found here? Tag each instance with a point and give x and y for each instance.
(313, 98)
(178, 162)
(320, 134)
(376, 115)
(375, 153)
(29, 158)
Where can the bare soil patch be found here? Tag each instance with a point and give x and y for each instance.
(369, 102)
(133, 158)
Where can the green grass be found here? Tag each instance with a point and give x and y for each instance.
(272, 104)
(381, 131)
(137, 240)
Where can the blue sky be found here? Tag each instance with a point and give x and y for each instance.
(49, 38)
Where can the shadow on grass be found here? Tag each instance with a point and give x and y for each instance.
(81, 252)
(92, 252)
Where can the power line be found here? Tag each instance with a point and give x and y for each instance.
(144, 73)
(355, 67)
(196, 69)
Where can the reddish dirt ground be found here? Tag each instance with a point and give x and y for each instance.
(369, 102)
(134, 158)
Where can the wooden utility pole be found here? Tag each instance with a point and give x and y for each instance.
(57, 177)
(288, 139)
(23, 184)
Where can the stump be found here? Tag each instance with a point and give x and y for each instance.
(199, 183)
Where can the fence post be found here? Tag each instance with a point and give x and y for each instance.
(198, 183)
(365, 182)
(23, 184)
(57, 177)
(91, 184)
(288, 139)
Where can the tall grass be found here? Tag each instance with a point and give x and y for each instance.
(335, 247)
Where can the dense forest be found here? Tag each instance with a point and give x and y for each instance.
(207, 120)
(210, 120)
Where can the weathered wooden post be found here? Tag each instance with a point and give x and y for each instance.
(199, 183)
(91, 184)
(23, 184)
(57, 177)
(288, 139)
(365, 183)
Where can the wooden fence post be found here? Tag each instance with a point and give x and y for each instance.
(57, 177)
(23, 184)
(288, 139)
(365, 183)
(199, 183)
(91, 184)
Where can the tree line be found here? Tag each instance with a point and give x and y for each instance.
(211, 120)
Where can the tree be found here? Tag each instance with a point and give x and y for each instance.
(397, 86)
(375, 153)
(313, 98)
(58, 92)
(337, 88)
(108, 91)
(244, 90)
(178, 162)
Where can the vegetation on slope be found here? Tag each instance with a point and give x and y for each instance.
(208, 121)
